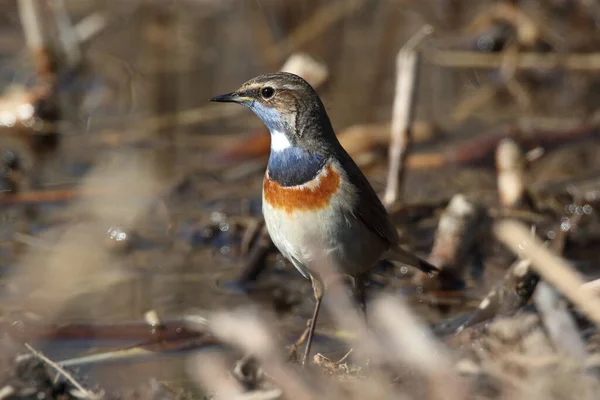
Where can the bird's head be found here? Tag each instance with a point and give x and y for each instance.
(287, 105)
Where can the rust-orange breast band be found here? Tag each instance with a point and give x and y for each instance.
(305, 197)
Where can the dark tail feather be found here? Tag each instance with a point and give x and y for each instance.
(397, 253)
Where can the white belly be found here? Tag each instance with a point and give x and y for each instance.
(331, 235)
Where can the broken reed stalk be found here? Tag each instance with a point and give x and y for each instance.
(505, 298)
(407, 75)
(454, 237)
(510, 166)
(555, 270)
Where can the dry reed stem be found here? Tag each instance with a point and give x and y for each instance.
(454, 236)
(407, 75)
(31, 23)
(552, 268)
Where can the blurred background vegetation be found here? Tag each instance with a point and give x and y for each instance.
(124, 190)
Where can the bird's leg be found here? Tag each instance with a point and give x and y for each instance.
(293, 354)
(359, 283)
(360, 290)
(318, 289)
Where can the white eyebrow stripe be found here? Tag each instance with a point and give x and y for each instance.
(279, 141)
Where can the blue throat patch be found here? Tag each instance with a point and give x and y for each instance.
(269, 116)
(294, 166)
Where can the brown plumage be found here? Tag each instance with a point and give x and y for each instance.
(317, 203)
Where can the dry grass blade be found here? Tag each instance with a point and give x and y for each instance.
(552, 268)
(411, 341)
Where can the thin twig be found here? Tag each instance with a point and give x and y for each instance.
(345, 357)
(584, 62)
(67, 375)
(407, 68)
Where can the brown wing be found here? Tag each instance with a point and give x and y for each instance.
(369, 208)
(374, 215)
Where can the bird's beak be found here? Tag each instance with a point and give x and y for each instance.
(232, 97)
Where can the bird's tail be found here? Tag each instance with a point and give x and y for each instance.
(397, 253)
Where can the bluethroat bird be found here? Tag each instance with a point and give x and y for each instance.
(317, 204)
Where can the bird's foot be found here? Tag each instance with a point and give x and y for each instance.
(293, 349)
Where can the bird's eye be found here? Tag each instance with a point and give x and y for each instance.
(267, 92)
